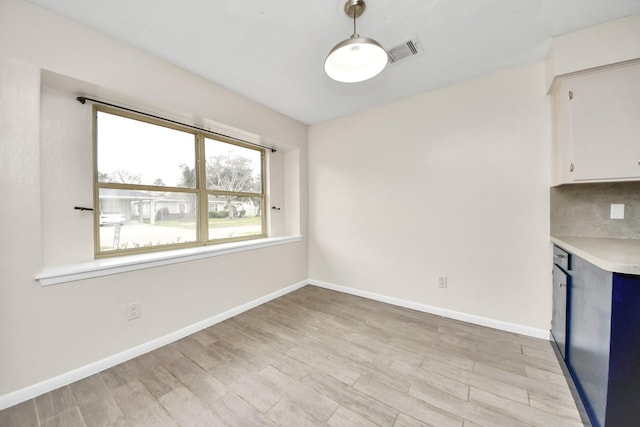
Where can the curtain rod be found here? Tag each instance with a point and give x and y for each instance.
(84, 99)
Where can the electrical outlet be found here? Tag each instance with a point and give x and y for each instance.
(442, 281)
(617, 211)
(133, 311)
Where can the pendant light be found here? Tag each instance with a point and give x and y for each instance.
(357, 58)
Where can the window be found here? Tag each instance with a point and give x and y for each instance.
(162, 186)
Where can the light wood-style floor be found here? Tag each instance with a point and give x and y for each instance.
(319, 357)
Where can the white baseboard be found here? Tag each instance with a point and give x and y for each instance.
(46, 386)
(470, 318)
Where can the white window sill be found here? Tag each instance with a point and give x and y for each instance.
(115, 265)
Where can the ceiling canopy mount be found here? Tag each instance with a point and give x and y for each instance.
(354, 8)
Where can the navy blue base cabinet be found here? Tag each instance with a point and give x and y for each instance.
(603, 343)
(623, 400)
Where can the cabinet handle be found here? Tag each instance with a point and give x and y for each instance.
(558, 256)
(562, 284)
(571, 167)
(570, 95)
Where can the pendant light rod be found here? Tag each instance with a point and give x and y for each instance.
(355, 31)
(354, 9)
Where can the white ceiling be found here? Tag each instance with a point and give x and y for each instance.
(272, 51)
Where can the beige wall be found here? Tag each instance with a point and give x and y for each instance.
(20, 257)
(454, 182)
(45, 155)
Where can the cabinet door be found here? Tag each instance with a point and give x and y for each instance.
(562, 156)
(559, 319)
(605, 124)
(623, 399)
(590, 332)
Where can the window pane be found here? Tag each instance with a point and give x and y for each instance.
(232, 168)
(131, 219)
(135, 152)
(231, 217)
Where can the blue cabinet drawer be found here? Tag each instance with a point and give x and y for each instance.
(562, 258)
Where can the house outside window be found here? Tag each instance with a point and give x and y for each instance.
(161, 186)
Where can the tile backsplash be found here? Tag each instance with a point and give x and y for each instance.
(584, 210)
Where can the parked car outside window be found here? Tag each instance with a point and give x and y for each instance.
(107, 218)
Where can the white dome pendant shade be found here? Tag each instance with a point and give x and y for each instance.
(357, 58)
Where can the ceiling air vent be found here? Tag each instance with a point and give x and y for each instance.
(404, 50)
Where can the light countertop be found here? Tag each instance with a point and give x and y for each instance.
(615, 255)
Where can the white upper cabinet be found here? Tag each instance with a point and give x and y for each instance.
(597, 125)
